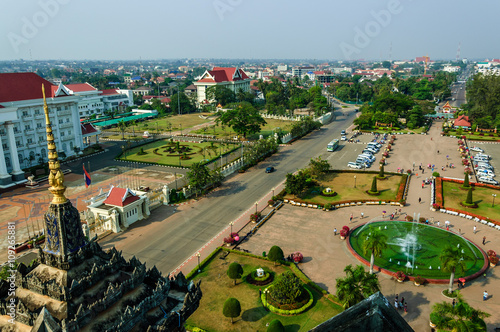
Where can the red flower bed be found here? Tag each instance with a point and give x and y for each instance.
(401, 189)
(439, 192)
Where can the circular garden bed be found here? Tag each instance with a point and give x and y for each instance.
(260, 281)
(303, 302)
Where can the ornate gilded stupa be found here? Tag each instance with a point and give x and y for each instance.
(74, 285)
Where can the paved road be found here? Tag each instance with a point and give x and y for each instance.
(171, 235)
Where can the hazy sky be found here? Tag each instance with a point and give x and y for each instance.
(258, 29)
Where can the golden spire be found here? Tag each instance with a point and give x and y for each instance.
(56, 177)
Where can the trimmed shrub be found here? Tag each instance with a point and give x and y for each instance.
(435, 174)
(276, 326)
(468, 200)
(275, 254)
(466, 181)
(234, 271)
(232, 308)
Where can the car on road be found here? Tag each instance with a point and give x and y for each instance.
(475, 148)
(487, 180)
(270, 169)
(342, 132)
(343, 138)
(353, 165)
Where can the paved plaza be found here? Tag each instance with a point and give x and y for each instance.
(325, 255)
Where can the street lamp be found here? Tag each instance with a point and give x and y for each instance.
(493, 203)
(273, 194)
(354, 181)
(198, 255)
(231, 224)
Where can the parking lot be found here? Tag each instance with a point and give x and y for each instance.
(491, 149)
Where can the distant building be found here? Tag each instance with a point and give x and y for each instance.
(301, 71)
(143, 91)
(22, 123)
(117, 99)
(189, 90)
(231, 78)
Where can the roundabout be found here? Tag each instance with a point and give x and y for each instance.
(414, 249)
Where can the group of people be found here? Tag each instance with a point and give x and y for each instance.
(400, 305)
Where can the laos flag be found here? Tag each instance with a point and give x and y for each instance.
(86, 177)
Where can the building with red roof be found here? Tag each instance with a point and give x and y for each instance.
(120, 208)
(22, 123)
(232, 78)
(462, 122)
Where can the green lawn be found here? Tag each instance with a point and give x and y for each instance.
(453, 195)
(267, 130)
(166, 158)
(475, 137)
(217, 287)
(160, 124)
(343, 184)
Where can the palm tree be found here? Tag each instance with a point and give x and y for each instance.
(356, 286)
(452, 260)
(133, 123)
(375, 244)
(122, 125)
(461, 317)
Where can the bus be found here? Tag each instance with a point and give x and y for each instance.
(332, 145)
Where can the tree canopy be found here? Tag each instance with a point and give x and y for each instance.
(243, 119)
(356, 286)
(232, 308)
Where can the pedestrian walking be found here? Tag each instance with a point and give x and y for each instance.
(335, 231)
(423, 170)
(485, 295)
(453, 303)
(402, 301)
(438, 151)
(396, 304)
(474, 229)
(484, 240)
(459, 231)
(350, 219)
(406, 308)
(362, 215)
(438, 223)
(459, 284)
(419, 199)
(422, 185)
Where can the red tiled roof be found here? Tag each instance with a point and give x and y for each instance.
(109, 92)
(120, 197)
(462, 121)
(150, 97)
(224, 74)
(88, 128)
(166, 100)
(24, 86)
(80, 87)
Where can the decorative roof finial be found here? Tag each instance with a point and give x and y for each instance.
(56, 177)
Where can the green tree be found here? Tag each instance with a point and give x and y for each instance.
(318, 166)
(220, 94)
(375, 244)
(275, 326)
(122, 125)
(244, 119)
(461, 317)
(275, 254)
(381, 174)
(466, 182)
(356, 286)
(295, 183)
(185, 104)
(198, 177)
(451, 261)
(468, 200)
(232, 308)
(234, 271)
(374, 190)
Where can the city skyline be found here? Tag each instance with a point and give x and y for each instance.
(235, 29)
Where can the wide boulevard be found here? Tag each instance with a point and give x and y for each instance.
(172, 234)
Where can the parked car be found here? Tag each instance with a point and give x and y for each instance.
(482, 172)
(482, 155)
(354, 165)
(270, 169)
(475, 148)
(371, 158)
(487, 180)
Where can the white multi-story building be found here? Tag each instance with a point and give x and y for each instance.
(113, 99)
(90, 101)
(22, 123)
(231, 78)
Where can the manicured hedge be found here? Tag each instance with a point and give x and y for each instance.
(288, 312)
(203, 263)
